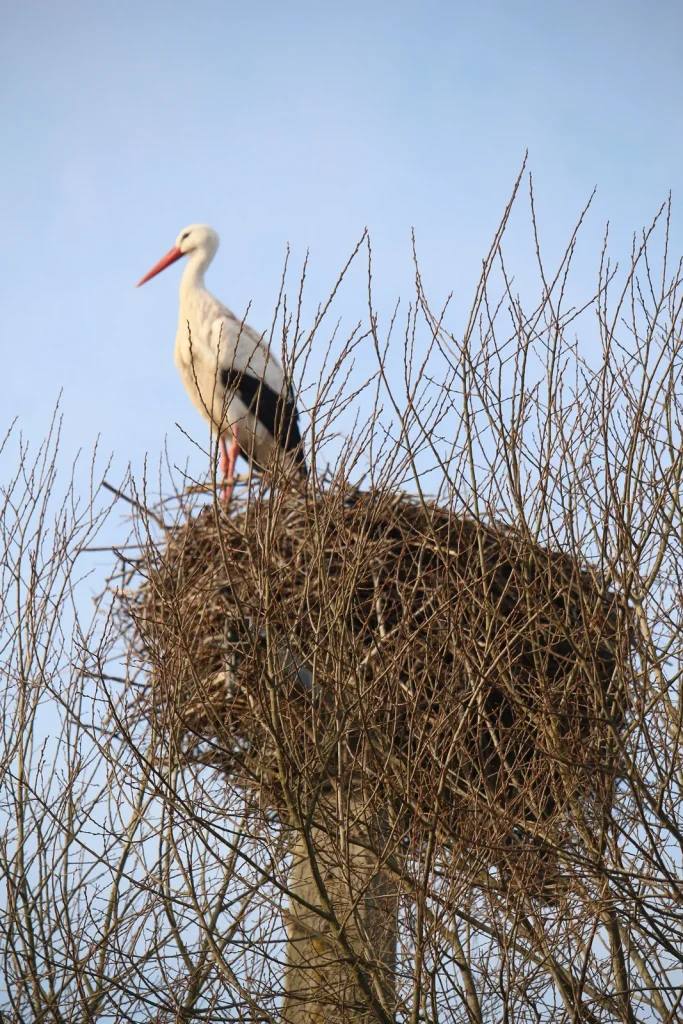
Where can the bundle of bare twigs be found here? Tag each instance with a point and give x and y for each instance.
(471, 677)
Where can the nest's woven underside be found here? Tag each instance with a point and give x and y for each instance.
(466, 674)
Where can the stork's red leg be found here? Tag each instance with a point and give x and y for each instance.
(228, 461)
(224, 459)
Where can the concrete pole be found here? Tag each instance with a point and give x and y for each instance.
(325, 982)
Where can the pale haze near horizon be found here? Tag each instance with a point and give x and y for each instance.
(297, 125)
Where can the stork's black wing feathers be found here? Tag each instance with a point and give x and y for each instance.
(277, 413)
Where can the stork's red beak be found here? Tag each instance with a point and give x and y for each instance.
(164, 262)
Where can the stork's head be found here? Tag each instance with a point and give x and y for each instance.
(195, 238)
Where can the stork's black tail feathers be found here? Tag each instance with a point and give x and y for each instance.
(276, 412)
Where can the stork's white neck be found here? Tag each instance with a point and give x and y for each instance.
(193, 276)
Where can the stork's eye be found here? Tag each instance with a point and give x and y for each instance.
(184, 236)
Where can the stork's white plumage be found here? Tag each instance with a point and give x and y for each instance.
(228, 371)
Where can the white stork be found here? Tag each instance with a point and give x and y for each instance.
(229, 373)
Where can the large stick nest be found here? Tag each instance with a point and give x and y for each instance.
(471, 678)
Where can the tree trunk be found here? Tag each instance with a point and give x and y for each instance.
(343, 970)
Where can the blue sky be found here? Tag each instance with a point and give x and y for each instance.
(295, 123)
